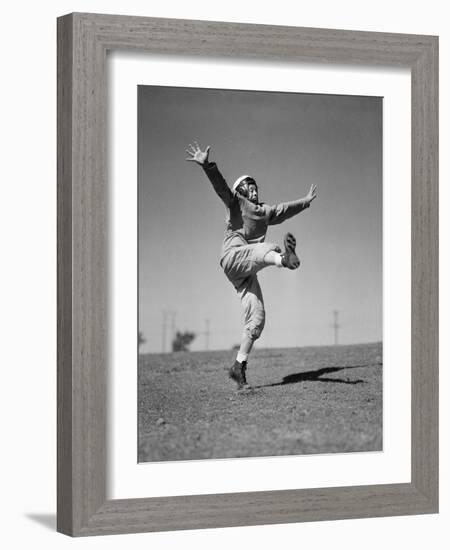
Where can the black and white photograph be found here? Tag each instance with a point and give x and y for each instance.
(260, 274)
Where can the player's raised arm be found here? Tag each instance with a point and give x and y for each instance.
(285, 210)
(195, 154)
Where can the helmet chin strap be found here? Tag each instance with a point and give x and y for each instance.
(251, 200)
(243, 190)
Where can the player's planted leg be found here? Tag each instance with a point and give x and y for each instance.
(254, 320)
(237, 373)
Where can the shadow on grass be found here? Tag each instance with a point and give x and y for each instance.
(317, 376)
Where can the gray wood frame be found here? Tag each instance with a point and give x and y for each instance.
(83, 40)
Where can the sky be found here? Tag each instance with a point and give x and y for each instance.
(286, 141)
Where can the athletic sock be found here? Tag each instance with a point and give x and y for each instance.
(273, 257)
(241, 357)
(279, 260)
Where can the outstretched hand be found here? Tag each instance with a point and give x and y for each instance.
(312, 193)
(197, 155)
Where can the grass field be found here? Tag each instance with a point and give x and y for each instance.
(305, 400)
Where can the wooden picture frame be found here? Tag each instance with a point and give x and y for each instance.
(83, 40)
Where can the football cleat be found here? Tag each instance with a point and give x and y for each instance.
(289, 258)
(237, 373)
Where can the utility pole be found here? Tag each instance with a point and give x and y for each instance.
(164, 327)
(207, 333)
(168, 316)
(172, 326)
(336, 327)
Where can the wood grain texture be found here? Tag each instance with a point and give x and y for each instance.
(83, 40)
(257, 508)
(64, 295)
(424, 272)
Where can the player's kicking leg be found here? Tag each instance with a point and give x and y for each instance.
(288, 258)
(242, 261)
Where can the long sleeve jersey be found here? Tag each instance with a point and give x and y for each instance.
(246, 222)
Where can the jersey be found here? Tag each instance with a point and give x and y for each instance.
(246, 222)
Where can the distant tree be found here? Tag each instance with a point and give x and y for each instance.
(141, 339)
(236, 346)
(183, 340)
